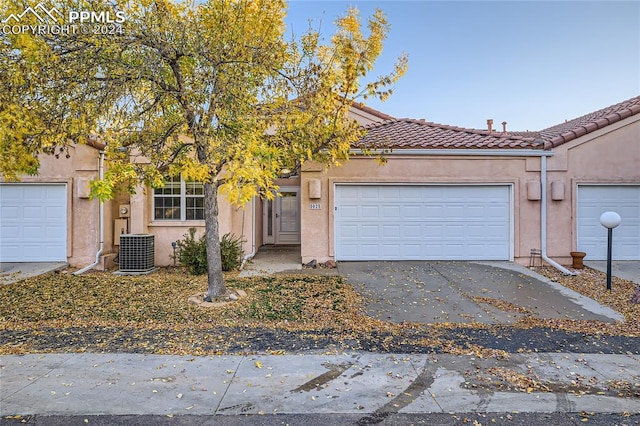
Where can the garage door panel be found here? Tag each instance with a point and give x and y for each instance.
(448, 222)
(411, 232)
(435, 232)
(370, 212)
(390, 250)
(593, 200)
(369, 249)
(391, 231)
(454, 212)
(391, 212)
(350, 250)
(411, 250)
(369, 192)
(476, 231)
(433, 212)
(412, 211)
(32, 212)
(370, 231)
(33, 222)
(9, 212)
(32, 232)
(9, 232)
(454, 231)
(349, 211)
(57, 232)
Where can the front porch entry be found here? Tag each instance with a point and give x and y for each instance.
(281, 217)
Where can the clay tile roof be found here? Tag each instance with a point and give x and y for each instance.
(408, 133)
(565, 132)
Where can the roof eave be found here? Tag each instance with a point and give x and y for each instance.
(479, 152)
(591, 127)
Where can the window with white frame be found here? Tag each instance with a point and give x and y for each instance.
(179, 200)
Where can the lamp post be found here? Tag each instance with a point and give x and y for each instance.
(609, 220)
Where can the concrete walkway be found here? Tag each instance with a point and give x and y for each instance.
(366, 384)
(273, 259)
(626, 269)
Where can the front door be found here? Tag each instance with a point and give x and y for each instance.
(282, 218)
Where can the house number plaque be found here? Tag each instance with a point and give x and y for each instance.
(315, 206)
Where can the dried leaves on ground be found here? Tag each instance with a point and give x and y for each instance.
(104, 312)
(159, 300)
(592, 284)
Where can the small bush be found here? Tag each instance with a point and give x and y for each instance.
(231, 252)
(192, 252)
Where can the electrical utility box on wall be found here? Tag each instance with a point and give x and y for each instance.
(119, 228)
(136, 253)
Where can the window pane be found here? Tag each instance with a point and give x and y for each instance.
(167, 208)
(270, 218)
(194, 188)
(171, 187)
(195, 208)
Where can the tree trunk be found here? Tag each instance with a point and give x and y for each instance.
(215, 280)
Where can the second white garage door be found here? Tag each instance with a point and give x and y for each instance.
(593, 200)
(422, 222)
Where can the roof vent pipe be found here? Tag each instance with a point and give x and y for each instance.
(504, 127)
(490, 125)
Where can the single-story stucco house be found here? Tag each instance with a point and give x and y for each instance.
(445, 193)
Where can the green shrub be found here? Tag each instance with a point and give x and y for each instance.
(231, 252)
(192, 252)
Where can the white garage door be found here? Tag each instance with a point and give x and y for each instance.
(420, 222)
(593, 200)
(33, 223)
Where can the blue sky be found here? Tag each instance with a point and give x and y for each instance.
(533, 64)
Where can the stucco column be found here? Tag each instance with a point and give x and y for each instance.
(139, 211)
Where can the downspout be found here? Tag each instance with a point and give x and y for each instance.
(253, 234)
(543, 220)
(101, 222)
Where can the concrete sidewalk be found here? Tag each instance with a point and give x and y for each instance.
(363, 384)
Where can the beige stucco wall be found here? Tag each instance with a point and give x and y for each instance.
(317, 225)
(607, 156)
(82, 213)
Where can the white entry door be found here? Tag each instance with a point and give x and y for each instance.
(593, 200)
(288, 217)
(33, 222)
(423, 222)
(281, 218)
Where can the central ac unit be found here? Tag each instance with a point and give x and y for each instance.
(136, 253)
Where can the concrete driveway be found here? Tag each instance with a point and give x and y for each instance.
(11, 272)
(465, 292)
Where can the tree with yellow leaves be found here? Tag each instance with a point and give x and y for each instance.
(210, 90)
